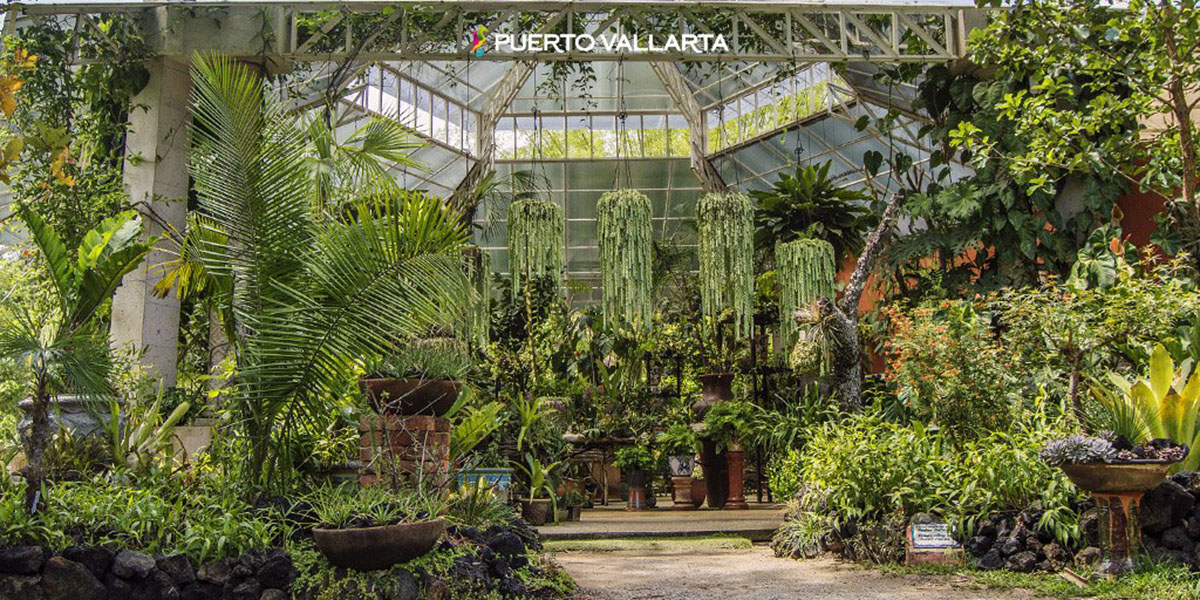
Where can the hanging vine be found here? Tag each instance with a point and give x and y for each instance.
(624, 231)
(478, 265)
(806, 270)
(726, 224)
(535, 242)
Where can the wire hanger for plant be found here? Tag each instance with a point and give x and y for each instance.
(622, 132)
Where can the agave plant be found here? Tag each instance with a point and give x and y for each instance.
(1162, 405)
(68, 350)
(306, 295)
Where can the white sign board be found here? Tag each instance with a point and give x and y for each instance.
(932, 536)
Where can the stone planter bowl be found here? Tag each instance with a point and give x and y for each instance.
(80, 415)
(406, 397)
(1107, 478)
(373, 548)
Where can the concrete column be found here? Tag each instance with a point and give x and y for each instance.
(156, 176)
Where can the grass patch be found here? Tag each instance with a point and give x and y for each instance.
(649, 545)
(1151, 583)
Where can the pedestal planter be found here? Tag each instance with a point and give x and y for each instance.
(735, 457)
(681, 496)
(1118, 490)
(715, 387)
(394, 396)
(537, 512)
(372, 548)
(81, 416)
(681, 465)
(637, 492)
(716, 474)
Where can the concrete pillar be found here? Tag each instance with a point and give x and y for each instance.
(156, 176)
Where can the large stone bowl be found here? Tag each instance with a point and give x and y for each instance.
(82, 416)
(406, 397)
(374, 548)
(1106, 478)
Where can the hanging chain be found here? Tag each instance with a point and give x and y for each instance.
(622, 131)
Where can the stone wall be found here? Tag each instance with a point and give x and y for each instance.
(95, 573)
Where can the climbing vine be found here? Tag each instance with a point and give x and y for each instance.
(624, 232)
(535, 242)
(726, 223)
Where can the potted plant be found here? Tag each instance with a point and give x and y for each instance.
(422, 378)
(371, 530)
(678, 444)
(726, 426)
(574, 501)
(541, 504)
(637, 463)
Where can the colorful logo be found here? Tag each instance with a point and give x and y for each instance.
(478, 37)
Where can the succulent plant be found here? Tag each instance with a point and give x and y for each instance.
(1078, 449)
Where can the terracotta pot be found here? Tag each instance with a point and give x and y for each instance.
(699, 492)
(372, 548)
(1121, 477)
(715, 387)
(408, 397)
(736, 459)
(537, 512)
(637, 499)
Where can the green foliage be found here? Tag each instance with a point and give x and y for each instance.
(811, 204)
(783, 474)
(348, 506)
(633, 459)
(139, 433)
(319, 292)
(864, 468)
(472, 428)
(807, 271)
(726, 258)
(429, 358)
(625, 238)
(1162, 405)
(679, 438)
(535, 242)
(730, 422)
(946, 363)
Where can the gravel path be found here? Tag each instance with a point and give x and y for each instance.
(749, 574)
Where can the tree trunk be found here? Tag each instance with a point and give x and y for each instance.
(36, 444)
(1075, 359)
(1180, 109)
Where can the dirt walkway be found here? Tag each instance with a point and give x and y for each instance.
(748, 574)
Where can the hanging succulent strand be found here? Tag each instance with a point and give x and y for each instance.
(806, 272)
(726, 224)
(478, 265)
(624, 233)
(535, 242)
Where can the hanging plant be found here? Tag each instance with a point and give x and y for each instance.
(535, 241)
(478, 266)
(624, 232)
(726, 224)
(807, 271)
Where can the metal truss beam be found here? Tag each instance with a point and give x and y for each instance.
(423, 30)
(681, 94)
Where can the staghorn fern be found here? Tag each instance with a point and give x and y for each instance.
(624, 232)
(726, 224)
(535, 241)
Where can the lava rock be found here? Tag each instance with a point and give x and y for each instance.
(507, 543)
(1165, 507)
(21, 587)
(64, 579)
(117, 588)
(1021, 562)
(991, 561)
(1089, 524)
(200, 591)
(273, 594)
(404, 586)
(132, 565)
(155, 586)
(246, 590)
(95, 558)
(1088, 556)
(178, 568)
(276, 570)
(979, 545)
(513, 588)
(1056, 555)
(216, 572)
(1010, 546)
(22, 560)
(1176, 538)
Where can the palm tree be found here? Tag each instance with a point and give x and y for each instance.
(306, 294)
(68, 349)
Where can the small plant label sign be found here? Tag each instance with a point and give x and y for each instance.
(932, 543)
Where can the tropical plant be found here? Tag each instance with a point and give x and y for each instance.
(624, 236)
(811, 204)
(807, 271)
(678, 439)
(1162, 405)
(727, 260)
(428, 358)
(730, 422)
(143, 436)
(306, 294)
(68, 349)
(634, 459)
(538, 476)
(535, 242)
(474, 427)
(530, 411)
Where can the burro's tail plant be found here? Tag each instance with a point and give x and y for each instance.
(1162, 405)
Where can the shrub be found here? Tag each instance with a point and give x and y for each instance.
(947, 365)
